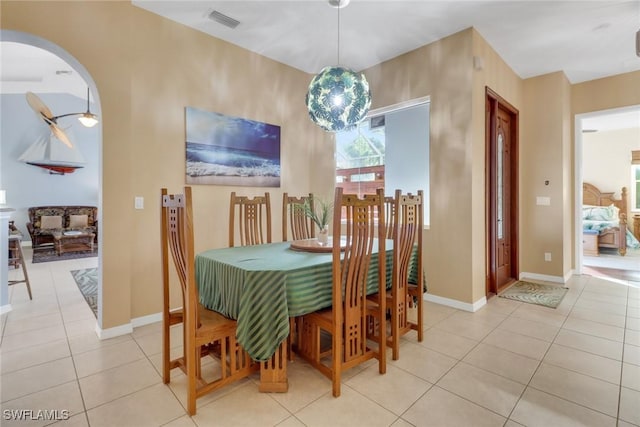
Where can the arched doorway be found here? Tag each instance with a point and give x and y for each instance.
(29, 80)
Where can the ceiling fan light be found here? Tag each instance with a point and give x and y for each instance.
(88, 119)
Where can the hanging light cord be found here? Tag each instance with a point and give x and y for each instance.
(339, 5)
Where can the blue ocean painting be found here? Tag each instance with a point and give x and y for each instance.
(227, 150)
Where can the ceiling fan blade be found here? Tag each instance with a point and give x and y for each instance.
(39, 107)
(60, 134)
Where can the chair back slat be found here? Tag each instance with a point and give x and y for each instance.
(294, 219)
(389, 214)
(253, 219)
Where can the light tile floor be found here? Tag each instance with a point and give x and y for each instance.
(509, 364)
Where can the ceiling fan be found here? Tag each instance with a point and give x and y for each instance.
(87, 118)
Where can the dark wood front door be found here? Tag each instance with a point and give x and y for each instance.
(502, 193)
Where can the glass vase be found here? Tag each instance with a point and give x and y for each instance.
(323, 236)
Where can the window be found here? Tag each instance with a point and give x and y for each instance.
(635, 181)
(389, 149)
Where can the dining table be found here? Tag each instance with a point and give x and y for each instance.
(263, 286)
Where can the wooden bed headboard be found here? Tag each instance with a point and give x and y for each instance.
(592, 196)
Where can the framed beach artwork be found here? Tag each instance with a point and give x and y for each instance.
(226, 150)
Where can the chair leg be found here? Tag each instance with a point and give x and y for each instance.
(19, 260)
(192, 379)
(292, 336)
(24, 270)
(336, 361)
(166, 355)
(420, 332)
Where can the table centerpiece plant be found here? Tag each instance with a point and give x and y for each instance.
(320, 215)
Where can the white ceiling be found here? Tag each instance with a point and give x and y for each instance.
(585, 39)
(25, 68)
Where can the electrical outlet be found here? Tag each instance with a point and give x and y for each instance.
(547, 256)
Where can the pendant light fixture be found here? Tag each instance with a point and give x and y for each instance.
(88, 119)
(338, 98)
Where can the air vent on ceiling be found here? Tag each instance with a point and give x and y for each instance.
(223, 19)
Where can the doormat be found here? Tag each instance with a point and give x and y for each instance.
(87, 281)
(535, 293)
(49, 253)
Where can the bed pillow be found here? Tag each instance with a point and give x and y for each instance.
(78, 221)
(600, 213)
(50, 222)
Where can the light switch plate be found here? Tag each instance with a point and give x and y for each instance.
(543, 201)
(139, 202)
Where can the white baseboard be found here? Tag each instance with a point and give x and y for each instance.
(568, 275)
(544, 277)
(105, 334)
(5, 309)
(127, 328)
(146, 320)
(455, 303)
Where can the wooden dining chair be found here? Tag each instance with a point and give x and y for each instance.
(205, 332)
(406, 232)
(252, 216)
(346, 320)
(294, 219)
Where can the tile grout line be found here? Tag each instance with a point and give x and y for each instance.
(624, 340)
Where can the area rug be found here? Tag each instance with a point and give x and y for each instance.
(87, 281)
(535, 293)
(48, 254)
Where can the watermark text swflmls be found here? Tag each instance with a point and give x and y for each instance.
(35, 414)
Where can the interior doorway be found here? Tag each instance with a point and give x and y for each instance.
(28, 45)
(501, 141)
(604, 141)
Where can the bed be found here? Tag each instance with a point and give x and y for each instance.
(604, 221)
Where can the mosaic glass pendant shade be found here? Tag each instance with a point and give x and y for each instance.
(338, 98)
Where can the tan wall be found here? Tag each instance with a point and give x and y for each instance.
(567, 177)
(490, 71)
(455, 242)
(543, 157)
(442, 70)
(147, 69)
(617, 91)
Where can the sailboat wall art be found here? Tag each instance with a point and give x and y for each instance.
(225, 150)
(49, 153)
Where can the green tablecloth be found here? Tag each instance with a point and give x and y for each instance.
(263, 285)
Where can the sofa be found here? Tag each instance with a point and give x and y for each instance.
(45, 220)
